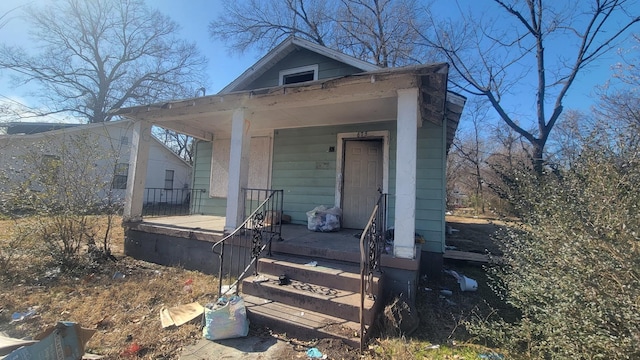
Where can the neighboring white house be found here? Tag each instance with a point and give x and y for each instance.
(167, 174)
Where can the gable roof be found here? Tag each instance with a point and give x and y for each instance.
(285, 48)
(13, 128)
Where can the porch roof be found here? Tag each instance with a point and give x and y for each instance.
(365, 97)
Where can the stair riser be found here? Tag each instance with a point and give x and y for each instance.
(311, 276)
(293, 330)
(349, 312)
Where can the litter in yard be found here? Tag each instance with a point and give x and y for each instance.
(188, 286)
(227, 319)
(314, 353)
(491, 356)
(20, 316)
(283, 280)
(118, 275)
(131, 350)
(312, 263)
(432, 347)
(180, 315)
(466, 283)
(64, 341)
(446, 292)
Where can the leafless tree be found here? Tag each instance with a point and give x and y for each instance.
(543, 43)
(384, 32)
(99, 55)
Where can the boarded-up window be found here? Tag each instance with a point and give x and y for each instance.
(259, 165)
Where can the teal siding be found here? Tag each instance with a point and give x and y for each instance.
(201, 174)
(327, 68)
(430, 187)
(305, 169)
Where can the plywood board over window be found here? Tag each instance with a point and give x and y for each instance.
(259, 165)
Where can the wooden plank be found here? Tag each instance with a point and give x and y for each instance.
(469, 256)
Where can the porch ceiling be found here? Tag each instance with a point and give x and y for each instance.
(366, 97)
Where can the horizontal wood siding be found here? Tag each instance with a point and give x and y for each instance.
(430, 192)
(201, 174)
(327, 68)
(305, 169)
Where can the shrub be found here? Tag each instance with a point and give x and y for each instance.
(572, 266)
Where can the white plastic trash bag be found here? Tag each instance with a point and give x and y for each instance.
(227, 319)
(324, 219)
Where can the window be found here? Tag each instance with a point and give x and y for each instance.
(299, 74)
(168, 179)
(120, 176)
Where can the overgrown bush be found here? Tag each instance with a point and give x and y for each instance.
(54, 191)
(572, 266)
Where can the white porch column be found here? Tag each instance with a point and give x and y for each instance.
(238, 170)
(136, 178)
(407, 141)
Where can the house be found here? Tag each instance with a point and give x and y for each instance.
(322, 128)
(29, 144)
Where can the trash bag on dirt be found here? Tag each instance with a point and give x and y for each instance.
(324, 219)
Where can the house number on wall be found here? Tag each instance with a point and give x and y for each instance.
(361, 134)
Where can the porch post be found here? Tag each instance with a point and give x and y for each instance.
(406, 159)
(136, 178)
(238, 170)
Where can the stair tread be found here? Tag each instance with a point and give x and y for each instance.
(299, 317)
(314, 291)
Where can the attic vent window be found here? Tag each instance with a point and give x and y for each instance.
(299, 74)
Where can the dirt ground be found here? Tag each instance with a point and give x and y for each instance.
(122, 300)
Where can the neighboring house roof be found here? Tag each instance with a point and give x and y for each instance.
(285, 48)
(13, 128)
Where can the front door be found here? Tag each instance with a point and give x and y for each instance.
(363, 164)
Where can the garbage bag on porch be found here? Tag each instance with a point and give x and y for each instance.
(324, 219)
(226, 319)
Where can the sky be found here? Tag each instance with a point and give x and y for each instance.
(194, 16)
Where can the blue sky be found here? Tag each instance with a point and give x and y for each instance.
(195, 15)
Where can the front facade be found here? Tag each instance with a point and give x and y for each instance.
(326, 129)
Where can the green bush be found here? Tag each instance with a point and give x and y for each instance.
(572, 265)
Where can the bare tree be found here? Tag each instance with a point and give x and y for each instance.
(493, 56)
(383, 32)
(472, 151)
(99, 55)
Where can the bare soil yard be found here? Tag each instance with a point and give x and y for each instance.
(125, 310)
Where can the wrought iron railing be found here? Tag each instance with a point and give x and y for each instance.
(240, 250)
(169, 202)
(371, 244)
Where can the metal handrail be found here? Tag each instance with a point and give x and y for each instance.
(373, 235)
(170, 202)
(265, 224)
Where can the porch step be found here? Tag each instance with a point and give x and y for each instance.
(300, 323)
(334, 302)
(331, 274)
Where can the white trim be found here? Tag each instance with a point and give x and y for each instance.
(406, 161)
(301, 69)
(361, 135)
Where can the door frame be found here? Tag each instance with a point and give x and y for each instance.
(361, 135)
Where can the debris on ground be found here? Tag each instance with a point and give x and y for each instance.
(180, 315)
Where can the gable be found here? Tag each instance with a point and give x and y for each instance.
(301, 58)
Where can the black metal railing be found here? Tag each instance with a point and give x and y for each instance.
(170, 202)
(239, 251)
(371, 244)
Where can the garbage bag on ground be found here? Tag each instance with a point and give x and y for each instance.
(324, 219)
(227, 319)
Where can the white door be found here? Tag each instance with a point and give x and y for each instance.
(362, 179)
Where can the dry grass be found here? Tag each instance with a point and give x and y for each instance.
(124, 311)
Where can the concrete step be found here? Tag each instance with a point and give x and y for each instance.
(331, 274)
(300, 323)
(335, 302)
